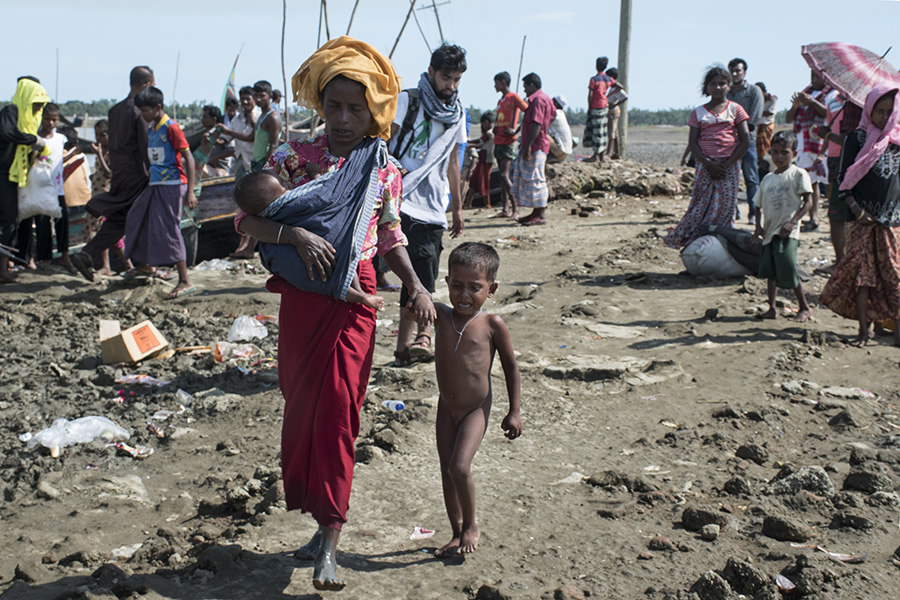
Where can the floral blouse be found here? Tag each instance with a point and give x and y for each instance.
(298, 160)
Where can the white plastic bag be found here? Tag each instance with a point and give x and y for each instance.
(39, 196)
(246, 328)
(707, 256)
(68, 433)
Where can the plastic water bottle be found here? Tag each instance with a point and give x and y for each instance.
(393, 405)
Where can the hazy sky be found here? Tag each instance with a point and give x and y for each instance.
(672, 42)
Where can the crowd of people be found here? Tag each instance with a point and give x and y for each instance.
(378, 186)
(837, 150)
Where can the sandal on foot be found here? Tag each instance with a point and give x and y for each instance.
(178, 293)
(401, 358)
(809, 226)
(421, 351)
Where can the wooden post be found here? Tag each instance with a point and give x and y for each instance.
(624, 44)
(327, 29)
(521, 58)
(412, 5)
(285, 114)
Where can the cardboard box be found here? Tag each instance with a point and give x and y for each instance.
(131, 345)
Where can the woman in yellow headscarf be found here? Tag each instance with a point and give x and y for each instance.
(19, 124)
(325, 345)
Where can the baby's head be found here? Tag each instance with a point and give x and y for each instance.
(257, 190)
(472, 276)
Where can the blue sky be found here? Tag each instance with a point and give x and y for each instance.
(672, 42)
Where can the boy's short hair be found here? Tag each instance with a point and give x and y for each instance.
(277, 95)
(141, 75)
(534, 79)
(247, 89)
(487, 116)
(602, 61)
(101, 126)
(613, 72)
(248, 191)
(761, 86)
(449, 59)
(214, 112)
(51, 107)
(477, 255)
(263, 86)
(712, 73)
(737, 61)
(503, 76)
(231, 102)
(149, 96)
(787, 138)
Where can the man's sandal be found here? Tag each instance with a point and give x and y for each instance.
(401, 358)
(421, 351)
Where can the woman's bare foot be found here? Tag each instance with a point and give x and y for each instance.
(769, 315)
(862, 339)
(449, 549)
(67, 264)
(468, 540)
(105, 272)
(802, 316)
(503, 214)
(310, 549)
(325, 570)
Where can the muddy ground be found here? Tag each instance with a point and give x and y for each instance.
(674, 446)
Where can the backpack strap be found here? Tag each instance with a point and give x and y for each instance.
(412, 110)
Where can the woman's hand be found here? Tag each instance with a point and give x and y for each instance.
(422, 307)
(317, 253)
(716, 169)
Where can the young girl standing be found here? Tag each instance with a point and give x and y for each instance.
(718, 139)
(866, 283)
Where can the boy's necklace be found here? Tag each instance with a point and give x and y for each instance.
(461, 331)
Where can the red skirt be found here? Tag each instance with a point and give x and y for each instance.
(325, 351)
(481, 180)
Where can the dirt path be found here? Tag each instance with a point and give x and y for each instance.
(653, 403)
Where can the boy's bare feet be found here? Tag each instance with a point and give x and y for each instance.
(310, 549)
(768, 315)
(802, 316)
(325, 570)
(468, 540)
(449, 549)
(862, 339)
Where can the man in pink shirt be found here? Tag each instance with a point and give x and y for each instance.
(529, 186)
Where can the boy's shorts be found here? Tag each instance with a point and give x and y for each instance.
(426, 241)
(779, 262)
(506, 151)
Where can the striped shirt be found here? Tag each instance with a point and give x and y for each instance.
(718, 131)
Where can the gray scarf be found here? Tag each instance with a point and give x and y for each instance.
(448, 113)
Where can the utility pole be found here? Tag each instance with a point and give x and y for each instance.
(624, 44)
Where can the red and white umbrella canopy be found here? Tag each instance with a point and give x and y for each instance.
(851, 69)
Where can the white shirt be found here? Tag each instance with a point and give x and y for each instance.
(560, 132)
(780, 195)
(243, 151)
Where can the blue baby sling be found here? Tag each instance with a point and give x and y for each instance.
(336, 206)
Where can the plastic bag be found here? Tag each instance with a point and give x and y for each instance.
(246, 328)
(39, 196)
(707, 256)
(216, 264)
(225, 351)
(68, 433)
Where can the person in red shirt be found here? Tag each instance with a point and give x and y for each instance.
(505, 139)
(529, 185)
(595, 133)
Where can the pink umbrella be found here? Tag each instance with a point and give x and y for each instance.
(852, 70)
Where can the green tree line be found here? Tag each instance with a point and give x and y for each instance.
(637, 117)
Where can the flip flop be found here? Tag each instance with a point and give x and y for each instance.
(135, 273)
(390, 287)
(534, 221)
(163, 275)
(809, 226)
(421, 351)
(175, 294)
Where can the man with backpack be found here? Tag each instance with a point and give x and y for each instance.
(425, 137)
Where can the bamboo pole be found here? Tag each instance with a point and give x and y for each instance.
(352, 14)
(325, 11)
(521, 59)
(412, 5)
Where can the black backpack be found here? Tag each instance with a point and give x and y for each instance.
(412, 109)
